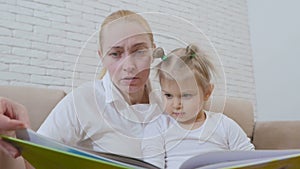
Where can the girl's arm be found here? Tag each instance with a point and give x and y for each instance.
(237, 138)
(153, 148)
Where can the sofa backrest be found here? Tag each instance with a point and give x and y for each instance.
(240, 110)
(277, 135)
(38, 101)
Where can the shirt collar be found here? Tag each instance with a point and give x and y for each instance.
(113, 95)
(111, 92)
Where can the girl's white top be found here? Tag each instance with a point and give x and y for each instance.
(166, 144)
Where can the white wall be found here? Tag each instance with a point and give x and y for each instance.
(275, 39)
(40, 40)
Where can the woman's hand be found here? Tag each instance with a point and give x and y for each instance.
(13, 116)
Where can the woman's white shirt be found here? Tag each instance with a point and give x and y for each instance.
(95, 116)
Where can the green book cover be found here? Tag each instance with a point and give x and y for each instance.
(44, 153)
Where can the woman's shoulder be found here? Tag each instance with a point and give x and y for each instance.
(86, 91)
(80, 91)
(96, 84)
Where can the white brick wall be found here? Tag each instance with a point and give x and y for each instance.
(40, 41)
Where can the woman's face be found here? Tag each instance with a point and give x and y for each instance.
(127, 55)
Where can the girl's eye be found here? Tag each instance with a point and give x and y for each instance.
(168, 96)
(187, 96)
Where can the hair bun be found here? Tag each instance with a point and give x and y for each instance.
(158, 52)
(191, 50)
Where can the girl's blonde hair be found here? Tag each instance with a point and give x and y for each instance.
(128, 16)
(179, 61)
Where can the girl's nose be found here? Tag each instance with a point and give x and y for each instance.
(177, 103)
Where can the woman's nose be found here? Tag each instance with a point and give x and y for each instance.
(128, 64)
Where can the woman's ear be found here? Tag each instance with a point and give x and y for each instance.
(209, 90)
(153, 48)
(99, 53)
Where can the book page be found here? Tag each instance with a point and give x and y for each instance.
(281, 162)
(231, 156)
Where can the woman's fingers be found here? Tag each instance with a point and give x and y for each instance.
(8, 124)
(10, 113)
(9, 149)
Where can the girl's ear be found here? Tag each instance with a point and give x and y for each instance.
(208, 92)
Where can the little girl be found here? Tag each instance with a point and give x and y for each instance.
(187, 129)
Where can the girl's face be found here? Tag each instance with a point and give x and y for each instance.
(127, 55)
(183, 99)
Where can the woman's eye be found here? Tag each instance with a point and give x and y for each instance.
(140, 52)
(114, 54)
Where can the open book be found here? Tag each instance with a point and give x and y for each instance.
(267, 159)
(46, 153)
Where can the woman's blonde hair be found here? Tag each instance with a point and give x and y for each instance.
(180, 60)
(126, 15)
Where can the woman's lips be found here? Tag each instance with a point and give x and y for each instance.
(130, 80)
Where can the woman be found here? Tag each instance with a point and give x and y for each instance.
(109, 114)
